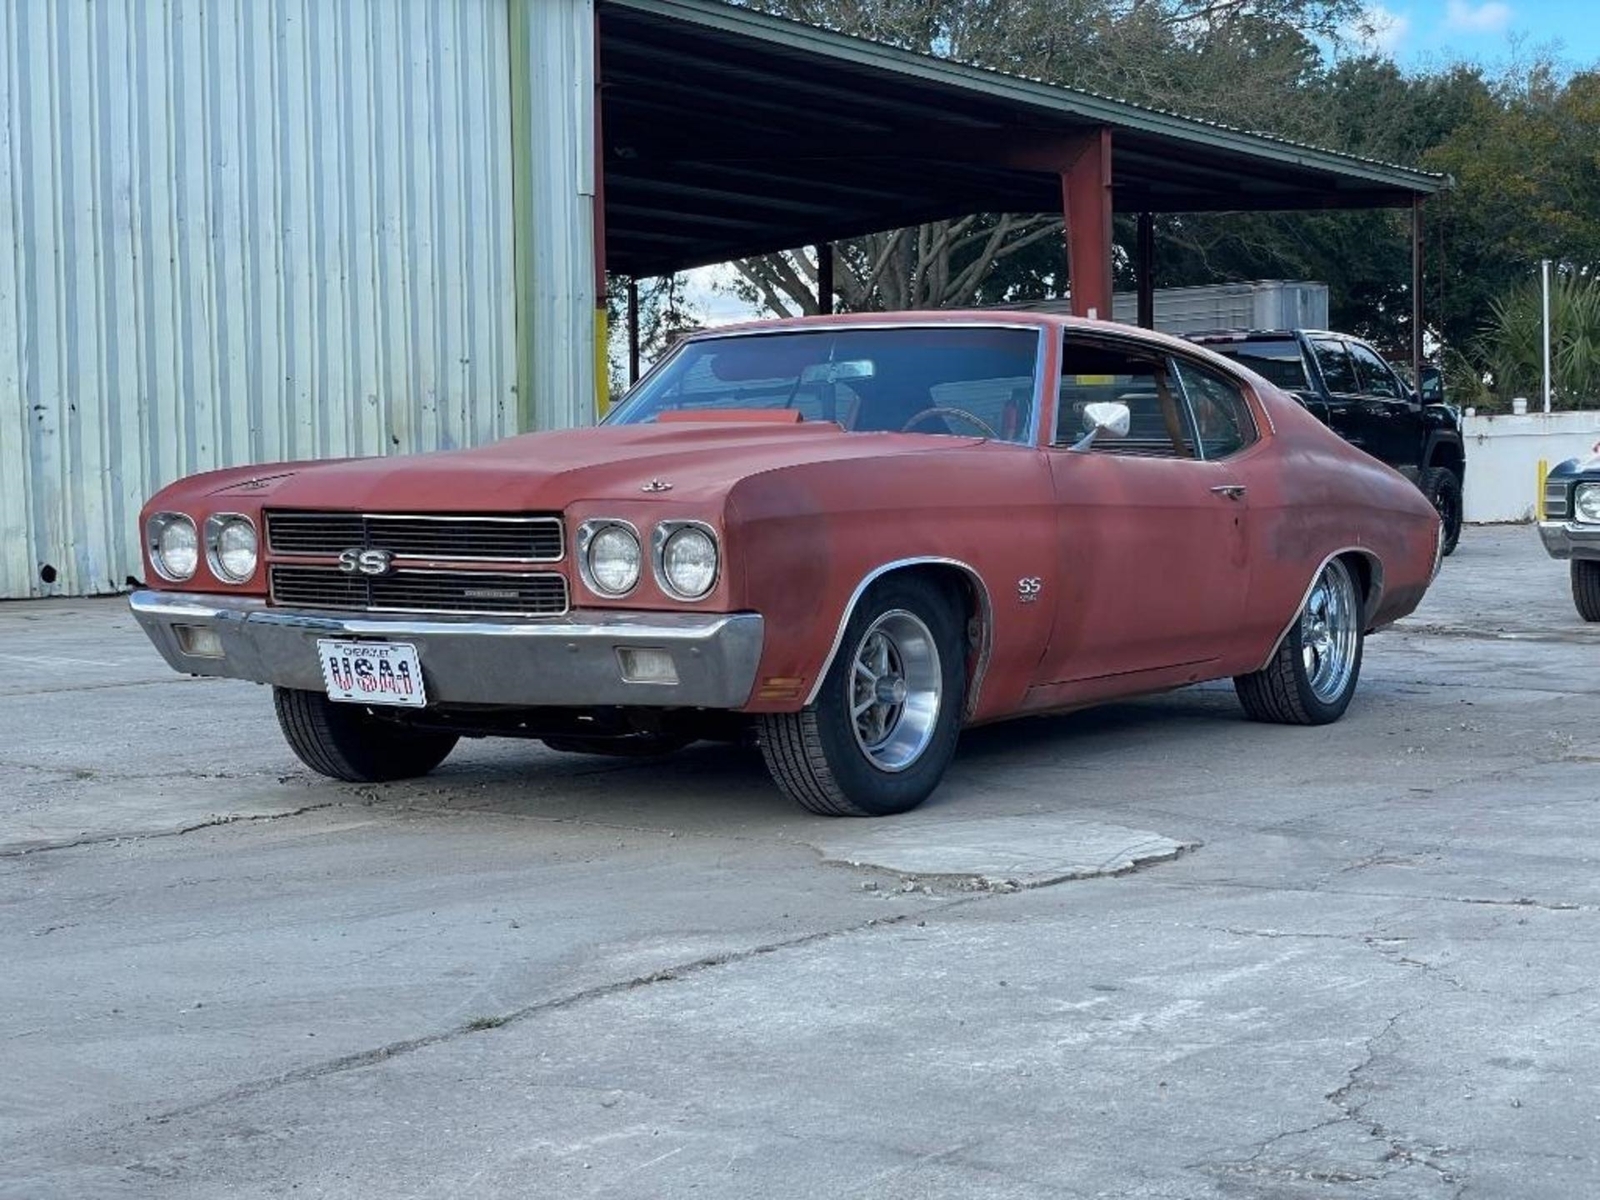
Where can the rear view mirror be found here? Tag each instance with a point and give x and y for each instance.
(1105, 418)
(837, 372)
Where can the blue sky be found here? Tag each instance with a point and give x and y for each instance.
(1422, 33)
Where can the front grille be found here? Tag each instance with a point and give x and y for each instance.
(1555, 499)
(440, 538)
(487, 593)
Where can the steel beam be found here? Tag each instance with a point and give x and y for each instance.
(1087, 207)
(1147, 270)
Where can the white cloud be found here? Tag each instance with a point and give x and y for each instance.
(1378, 30)
(1492, 16)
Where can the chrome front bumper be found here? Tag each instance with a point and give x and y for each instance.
(1570, 539)
(569, 661)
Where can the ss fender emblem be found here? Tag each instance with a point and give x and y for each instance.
(368, 562)
(1028, 589)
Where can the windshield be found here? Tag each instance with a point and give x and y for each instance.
(1278, 360)
(972, 381)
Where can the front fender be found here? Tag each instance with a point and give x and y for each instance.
(811, 542)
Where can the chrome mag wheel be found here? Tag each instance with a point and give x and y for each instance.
(896, 686)
(1330, 632)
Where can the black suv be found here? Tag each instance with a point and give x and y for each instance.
(1348, 386)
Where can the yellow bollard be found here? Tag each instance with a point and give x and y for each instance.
(1538, 504)
(602, 364)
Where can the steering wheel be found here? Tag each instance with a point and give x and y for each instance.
(940, 410)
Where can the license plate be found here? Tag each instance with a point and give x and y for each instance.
(372, 672)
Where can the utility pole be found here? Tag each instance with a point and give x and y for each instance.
(1545, 266)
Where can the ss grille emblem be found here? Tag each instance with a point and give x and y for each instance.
(368, 562)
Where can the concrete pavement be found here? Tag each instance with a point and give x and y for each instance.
(1359, 961)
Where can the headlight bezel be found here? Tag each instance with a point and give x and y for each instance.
(1581, 493)
(155, 529)
(662, 536)
(216, 525)
(591, 530)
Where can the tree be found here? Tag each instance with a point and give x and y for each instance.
(1231, 60)
(1508, 355)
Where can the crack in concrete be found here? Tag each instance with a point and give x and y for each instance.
(1413, 897)
(1469, 633)
(1399, 1150)
(102, 839)
(1387, 946)
(483, 1024)
(73, 772)
(106, 687)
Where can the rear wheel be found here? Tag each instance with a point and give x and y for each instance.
(1586, 588)
(885, 722)
(345, 741)
(1442, 487)
(1313, 674)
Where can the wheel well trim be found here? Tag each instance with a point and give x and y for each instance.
(1445, 437)
(1369, 608)
(985, 616)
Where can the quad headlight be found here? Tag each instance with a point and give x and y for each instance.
(686, 559)
(231, 547)
(1586, 503)
(609, 557)
(174, 546)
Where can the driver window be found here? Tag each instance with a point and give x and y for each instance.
(1338, 372)
(1158, 426)
(1376, 378)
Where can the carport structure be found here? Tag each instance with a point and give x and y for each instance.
(721, 133)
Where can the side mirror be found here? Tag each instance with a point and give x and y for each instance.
(1107, 417)
(1431, 390)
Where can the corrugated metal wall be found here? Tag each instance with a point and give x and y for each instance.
(556, 190)
(240, 231)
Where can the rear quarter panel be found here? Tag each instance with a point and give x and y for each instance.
(1314, 495)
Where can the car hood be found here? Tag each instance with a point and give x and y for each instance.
(548, 471)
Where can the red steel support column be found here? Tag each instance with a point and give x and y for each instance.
(1086, 204)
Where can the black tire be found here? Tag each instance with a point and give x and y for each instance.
(1282, 692)
(624, 746)
(344, 741)
(1586, 588)
(1442, 487)
(815, 756)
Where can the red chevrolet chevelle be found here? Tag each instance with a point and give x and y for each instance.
(848, 536)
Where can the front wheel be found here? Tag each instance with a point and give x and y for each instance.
(1586, 588)
(885, 722)
(1442, 487)
(1313, 674)
(345, 741)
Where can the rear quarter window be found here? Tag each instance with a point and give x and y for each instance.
(1278, 361)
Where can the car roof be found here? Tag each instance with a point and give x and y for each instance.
(925, 318)
(1246, 335)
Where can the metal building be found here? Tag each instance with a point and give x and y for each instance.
(238, 231)
(234, 231)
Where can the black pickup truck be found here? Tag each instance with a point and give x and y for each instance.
(1348, 386)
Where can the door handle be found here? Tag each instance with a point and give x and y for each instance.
(1233, 491)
